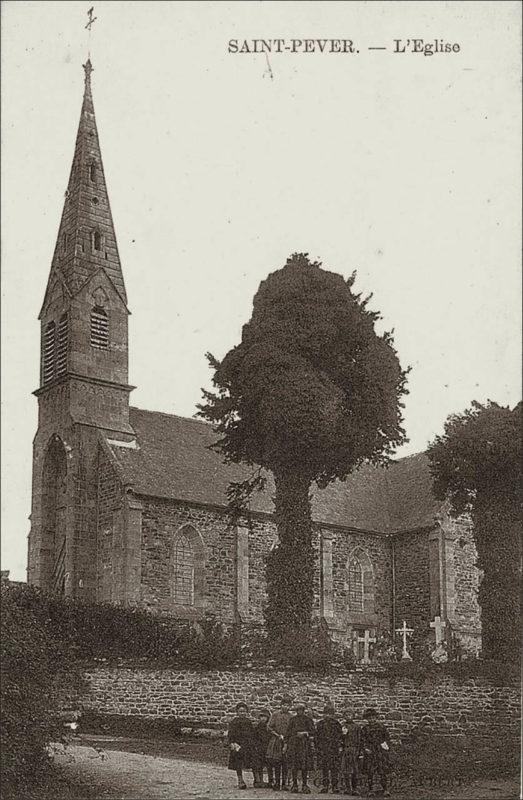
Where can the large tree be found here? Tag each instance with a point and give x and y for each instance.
(310, 393)
(476, 464)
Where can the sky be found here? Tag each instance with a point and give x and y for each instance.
(219, 165)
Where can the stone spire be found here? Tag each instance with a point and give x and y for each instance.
(86, 241)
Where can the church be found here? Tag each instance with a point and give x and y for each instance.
(130, 507)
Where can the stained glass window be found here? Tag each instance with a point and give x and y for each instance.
(355, 585)
(183, 580)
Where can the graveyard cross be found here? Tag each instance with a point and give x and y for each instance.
(438, 624)
(367, 640)
(405, 631)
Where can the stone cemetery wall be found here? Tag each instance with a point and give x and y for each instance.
(445, 705)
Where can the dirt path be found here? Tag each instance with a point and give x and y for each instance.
(124, 775)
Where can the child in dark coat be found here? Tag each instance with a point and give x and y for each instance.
(375, 741)
(329, 741)
(241, 743)
(352, 755)
(299, 746)
(262, 736)
(278, 726)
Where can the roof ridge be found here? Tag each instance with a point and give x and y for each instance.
(171, 414)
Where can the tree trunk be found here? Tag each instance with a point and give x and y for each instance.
(290, 566)
(497, 536)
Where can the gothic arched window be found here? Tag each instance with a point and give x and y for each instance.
(183, 567)
(48, 348)
(99, 328)
(355, 584)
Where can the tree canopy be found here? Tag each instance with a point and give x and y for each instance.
(311, 387)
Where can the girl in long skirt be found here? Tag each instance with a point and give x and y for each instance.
(241, 743)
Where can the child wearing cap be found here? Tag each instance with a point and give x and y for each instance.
(299, 744)
(375, 741)
(262, 737)
(277, 727)
(352, 755)
(241, 743)
(329, 742)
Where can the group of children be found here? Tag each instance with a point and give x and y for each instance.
(286, 745)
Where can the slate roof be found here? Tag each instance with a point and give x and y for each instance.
(172, 459)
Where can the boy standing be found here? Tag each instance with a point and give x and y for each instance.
(375, 742)
(262, 737)
(329, 741)
(352, 755)
(241, 741)
(277, 727)
(299, 742)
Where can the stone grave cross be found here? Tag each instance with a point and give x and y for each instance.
(438, 624)
(367, 640)
(405, 632)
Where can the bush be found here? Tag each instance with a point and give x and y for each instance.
(90, 631)
(45, 640)
(35, 669)
(210, 645)
(299, 649)
(98, 630)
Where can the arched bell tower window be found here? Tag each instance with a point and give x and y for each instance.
(99, 328)
(92, 172)
(61, 344)
(48, 352)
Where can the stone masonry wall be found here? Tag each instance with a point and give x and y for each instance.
(467, 613)
(262, 536)
(207, 699)
(160, 521)
(225, 580)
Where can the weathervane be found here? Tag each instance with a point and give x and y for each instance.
(88, 27)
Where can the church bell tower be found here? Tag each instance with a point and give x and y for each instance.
(83, 373)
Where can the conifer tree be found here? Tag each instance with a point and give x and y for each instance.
(310, 393)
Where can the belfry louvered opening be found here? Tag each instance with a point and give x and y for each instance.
(61, 344)
(48, 352)
(99, 328)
